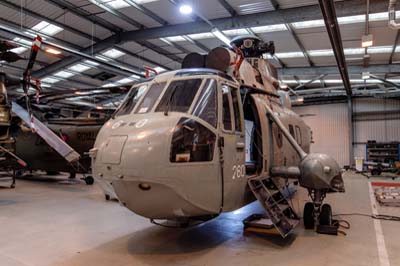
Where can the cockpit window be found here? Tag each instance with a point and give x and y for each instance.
(131, 100)
(150, 98)
(226, 108)
(179, 96)
(206, 107)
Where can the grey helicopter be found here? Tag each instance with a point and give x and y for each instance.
(213, 137)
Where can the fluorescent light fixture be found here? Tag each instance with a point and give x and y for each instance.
(236, 32)
(185, 9)
(19, 50)
(47, 28)
(113, 53)
(367, 41)
(353, 51)
(53, 51)
(79, 68)
(64, 74)
(269, 28)
(203, 35)
(217, 33)
(49, 80)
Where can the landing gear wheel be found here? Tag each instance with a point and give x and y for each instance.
(376, 171)
(89, 180)
(107, 197)
(325, 217)
(308, 216)
(72, 175)
(12, 186)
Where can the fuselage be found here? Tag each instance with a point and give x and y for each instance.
(184, 143)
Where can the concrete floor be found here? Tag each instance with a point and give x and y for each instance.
(47, 223)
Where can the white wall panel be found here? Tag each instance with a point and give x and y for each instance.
(329, 124)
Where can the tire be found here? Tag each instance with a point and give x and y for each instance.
(308, 216)
(325, 217)
(376, 171)
(107, 197)
(89, 180)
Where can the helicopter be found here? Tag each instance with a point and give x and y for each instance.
(213, 137)
(27, 143)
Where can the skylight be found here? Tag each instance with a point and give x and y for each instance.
(159, 69)
(236, 32)
(92, 63)
(290, 55)
(49, 80)
(269, 28)
(199, 36)
(47, 28)
(64, 74)
(116, 4)
(125, 80)
(79, 68)
(308, 24)
(113, 53)
(326, 52)
(19, 50)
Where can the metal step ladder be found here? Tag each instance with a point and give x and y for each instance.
(276, 202)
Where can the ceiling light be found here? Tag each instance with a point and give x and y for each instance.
(52, 51)
(113, 53)
(367, 41)
(125, 80)
(236, 32)
(185, 9)
(217, 33)
(203, 35)
(116, 4)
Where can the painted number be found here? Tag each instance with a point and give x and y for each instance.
(238, 171)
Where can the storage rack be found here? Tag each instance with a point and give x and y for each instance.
(383, 152)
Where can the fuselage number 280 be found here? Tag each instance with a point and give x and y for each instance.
(239, 171)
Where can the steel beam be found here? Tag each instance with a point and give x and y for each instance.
(228, 7)
(332, 27)
(290, 15)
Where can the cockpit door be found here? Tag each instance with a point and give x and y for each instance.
(232, 146)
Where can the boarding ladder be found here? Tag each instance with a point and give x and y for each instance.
(276, 201)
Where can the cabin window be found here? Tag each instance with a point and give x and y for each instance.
(298, 133)
(291, 130)
(226, 108)
(192, 142)
(236, 109)
(179, 95)
(131, 100)
(206, 107)
(150, 98)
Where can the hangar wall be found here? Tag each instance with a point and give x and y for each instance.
(373, 119)
(330, 131)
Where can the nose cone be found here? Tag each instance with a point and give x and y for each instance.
(320, 171)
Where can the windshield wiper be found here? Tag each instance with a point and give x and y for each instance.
(170, 100)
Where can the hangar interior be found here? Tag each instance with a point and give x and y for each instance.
(337, 61)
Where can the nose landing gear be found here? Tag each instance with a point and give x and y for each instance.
(319, 216)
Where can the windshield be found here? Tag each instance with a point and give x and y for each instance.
(206, 107)
(179, 95)
(150, 98)
(131, 100)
